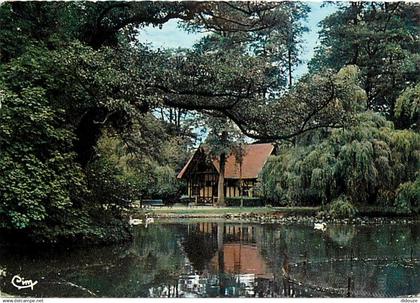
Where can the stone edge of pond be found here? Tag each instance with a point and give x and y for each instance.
(267, 218)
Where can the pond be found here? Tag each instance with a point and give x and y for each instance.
(221, 259)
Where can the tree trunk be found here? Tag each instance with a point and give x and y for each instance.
(240, 185)
(162, 116)
(221, 184)
(289, 59)
(221, 258)
(178, 122)
(355, 11)
(88, 133)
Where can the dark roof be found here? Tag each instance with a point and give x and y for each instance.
(255, 157)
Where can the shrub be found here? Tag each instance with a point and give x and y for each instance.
(342, 208)
(408, 197)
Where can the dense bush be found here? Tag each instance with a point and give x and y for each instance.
(56, 181)
(118, 176)
(38, 181)
(407, 108)
(342, 208)
(408, 197)
(366, 162)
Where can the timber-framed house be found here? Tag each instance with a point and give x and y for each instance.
(202, 173)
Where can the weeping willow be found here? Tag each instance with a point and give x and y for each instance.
(370, 163)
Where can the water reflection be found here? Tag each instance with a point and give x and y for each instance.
(219, 259)
(233, 264)
(342, 235)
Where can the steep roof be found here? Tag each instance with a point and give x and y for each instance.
(184, 169)
(255, 157)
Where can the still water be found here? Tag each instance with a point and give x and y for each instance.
(220, 259)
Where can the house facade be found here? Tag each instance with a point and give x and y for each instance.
(202, 173)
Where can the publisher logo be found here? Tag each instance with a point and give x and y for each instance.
(21, 283)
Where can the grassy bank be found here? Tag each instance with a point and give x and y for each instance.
(215, 212)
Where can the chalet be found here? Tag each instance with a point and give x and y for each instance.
(202, 173)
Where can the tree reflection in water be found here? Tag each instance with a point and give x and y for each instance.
(228, 260)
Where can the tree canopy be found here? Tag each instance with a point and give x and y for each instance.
(368, 163)
(91, 118)
(78, 92)
(381, 38)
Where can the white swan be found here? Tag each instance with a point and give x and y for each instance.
(135, 221)
(320, 226)
(150, 220)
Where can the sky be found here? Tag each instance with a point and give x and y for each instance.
(170, 36)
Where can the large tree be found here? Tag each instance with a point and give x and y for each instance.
(368, 164)
(381, 38)
(71, 70)
(121, 77)
(223, 140)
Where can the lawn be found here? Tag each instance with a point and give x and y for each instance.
(209, 210)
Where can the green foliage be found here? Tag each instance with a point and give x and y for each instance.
(366, 162)
(233, 86)
(407, 108)
(382, 39)
(342, 208)
(42, 188)
(44, 191)
(408, 197)
(38, 178)
(166, 185)
(44, 102)
(78, 140)
(37, 25)
(223, 137)
(119, 176)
